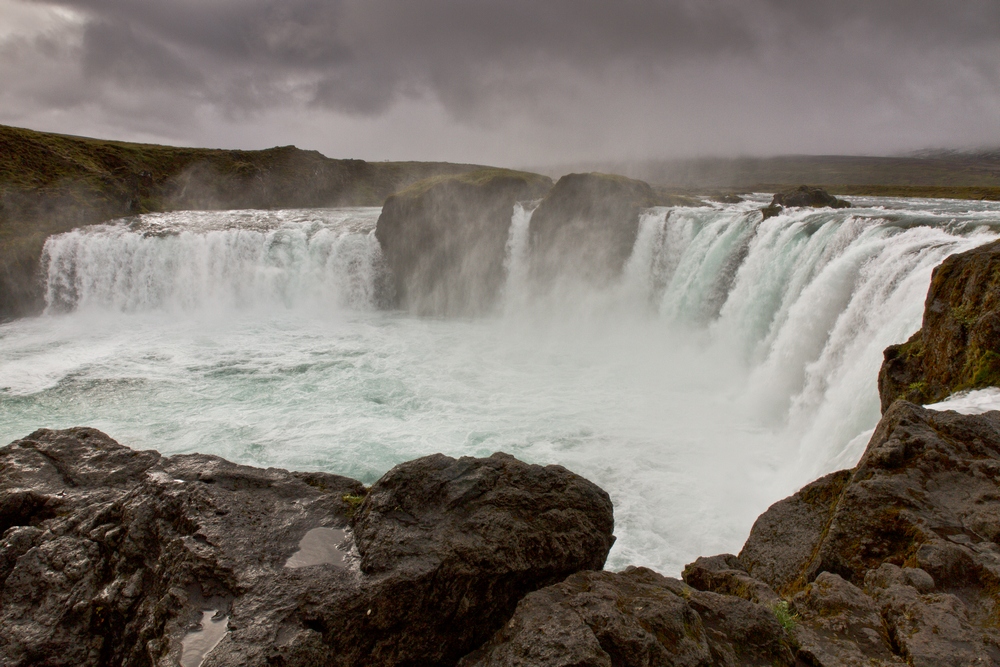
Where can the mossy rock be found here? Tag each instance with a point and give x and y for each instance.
(958, 346)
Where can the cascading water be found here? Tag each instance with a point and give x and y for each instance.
(193, 260)
(735, 360)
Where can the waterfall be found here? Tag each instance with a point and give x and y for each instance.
(801, 305)
(189, 261)
(734, 360)
(516, 287)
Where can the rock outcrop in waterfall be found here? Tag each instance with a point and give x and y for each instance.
(586, 227)
(803, 195)
(958, 345)
(444, 238)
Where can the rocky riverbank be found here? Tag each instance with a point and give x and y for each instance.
(958, 345)
(111, 556)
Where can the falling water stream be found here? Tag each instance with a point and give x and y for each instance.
(734, 360)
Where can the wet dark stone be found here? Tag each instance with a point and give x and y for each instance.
(112, 556)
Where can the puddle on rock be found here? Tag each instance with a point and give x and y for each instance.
(320, 546)
(198, 644)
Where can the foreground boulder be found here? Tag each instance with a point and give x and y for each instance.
(958, 344)
(111, 556)
(586, 227)
(444, 238)
(895, 562)
(803, 196)
(636, 617)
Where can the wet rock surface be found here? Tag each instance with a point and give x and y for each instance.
(892, 563)
(803, 195)
(958, 344)
(585, 228)
(111, 556)
(444, 239)
(635, 617)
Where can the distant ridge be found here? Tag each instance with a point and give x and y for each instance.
(840, 174)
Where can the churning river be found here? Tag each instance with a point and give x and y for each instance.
(734, 361)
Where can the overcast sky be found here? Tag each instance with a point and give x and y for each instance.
(513, 82)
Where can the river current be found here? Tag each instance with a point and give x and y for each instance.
(734, 361)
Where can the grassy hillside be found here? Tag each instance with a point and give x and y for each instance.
(50, 183)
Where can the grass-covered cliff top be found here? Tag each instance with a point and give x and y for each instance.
(168, 177)
(50, 183)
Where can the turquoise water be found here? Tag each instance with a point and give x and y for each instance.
(735, 360)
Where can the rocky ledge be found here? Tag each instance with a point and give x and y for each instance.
(958, 345)
(892, 563)
(111, 556)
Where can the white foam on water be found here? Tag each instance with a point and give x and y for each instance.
(970, 402)
(735, 361)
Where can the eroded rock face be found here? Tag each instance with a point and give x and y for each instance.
(803, 195)
(444, 239)
(110, 556)
(915, 526)
(958, 345)
(892, 563)
(586, 227)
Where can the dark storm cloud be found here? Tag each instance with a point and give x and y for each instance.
(359, 55)
(700, 75)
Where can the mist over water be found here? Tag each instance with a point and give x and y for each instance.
(734, 361)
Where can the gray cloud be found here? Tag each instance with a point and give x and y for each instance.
(519, 80)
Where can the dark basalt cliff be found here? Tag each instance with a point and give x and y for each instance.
(895, 562)
(958, 345)
(110, 556)
(52, 183)
(444, 239)
(586, 227)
